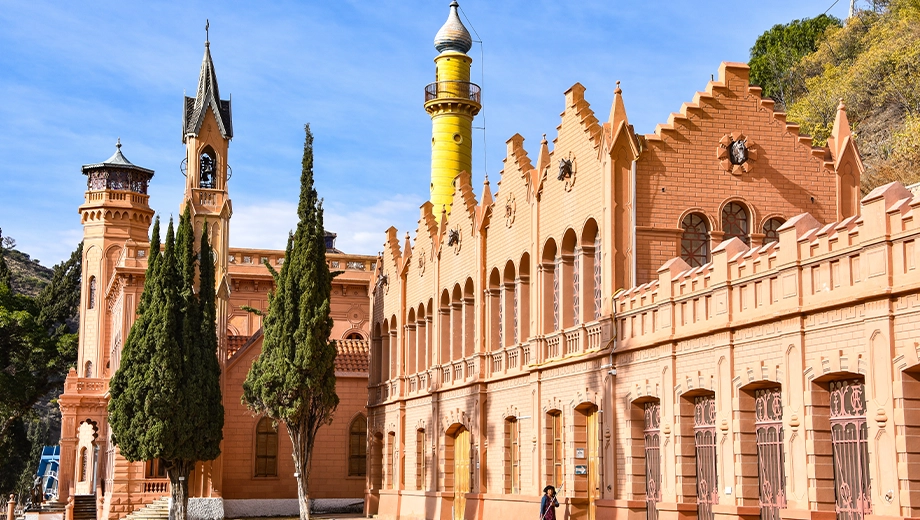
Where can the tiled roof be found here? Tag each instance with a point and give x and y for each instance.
(353, 355)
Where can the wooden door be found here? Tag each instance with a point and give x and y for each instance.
(593, 464)
(461, 472)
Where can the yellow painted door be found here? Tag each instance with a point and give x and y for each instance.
(593, 465)
(461, 472)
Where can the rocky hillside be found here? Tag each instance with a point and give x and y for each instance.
(29, 277)
(871, 62)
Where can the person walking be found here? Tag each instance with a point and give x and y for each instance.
(548, 504)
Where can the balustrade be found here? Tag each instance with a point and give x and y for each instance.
(157, 486)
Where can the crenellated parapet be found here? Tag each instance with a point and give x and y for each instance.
(810, 267)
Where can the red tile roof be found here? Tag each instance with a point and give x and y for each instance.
(353, 355)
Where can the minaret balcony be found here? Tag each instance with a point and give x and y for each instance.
(453, 90)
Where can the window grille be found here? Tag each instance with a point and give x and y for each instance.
(91, 303)
(771, 230)
(576, 282)
(517, 311)
(694, 244)
(652, 459)
(556, 272)
(768, 427)
(850, 441)
(735, 222)
(598, 286)
(501, 317)
(704, 433)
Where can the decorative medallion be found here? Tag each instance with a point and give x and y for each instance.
(736, 153)
(355, 315)
(567, 172)
(510, 209)
(421, 263)
(453, 239)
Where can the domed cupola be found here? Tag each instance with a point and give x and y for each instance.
(453, 36)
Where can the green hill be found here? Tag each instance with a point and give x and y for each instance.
(28, 276)
(871, 62)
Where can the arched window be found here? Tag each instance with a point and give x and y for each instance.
(736, 222)
(91, 300)
(771, 230)
(355, 335)
(266, 449)
(88, 369)
(207, 170)
(694, 243)
(357, 447)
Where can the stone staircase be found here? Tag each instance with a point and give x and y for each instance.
(84, 507)
(157, 510)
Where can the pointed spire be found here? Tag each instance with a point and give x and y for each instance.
(207, 79)
(207, 95)
(617, 109)
(543, 157)
(841, 131)
(486, 193)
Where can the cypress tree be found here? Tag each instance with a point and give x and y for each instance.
(5, 273)
(293, 379)
(165, 397)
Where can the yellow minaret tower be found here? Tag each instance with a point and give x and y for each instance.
(206, 131)
(452, 102)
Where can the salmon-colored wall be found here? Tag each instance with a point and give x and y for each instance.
(329, 465)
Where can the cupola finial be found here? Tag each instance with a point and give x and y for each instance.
(453, 35)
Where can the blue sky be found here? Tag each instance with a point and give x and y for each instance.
(74, 76)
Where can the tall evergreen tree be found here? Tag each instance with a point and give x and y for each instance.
(166, 401)
(293, 379)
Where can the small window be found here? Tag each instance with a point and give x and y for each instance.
(84, 462)
(91, 300)
(771, 230)
(357, 447)
(694, 244)
(266, 449)
(736, 222)
(355, 335)
(155, 469)
(420, 459)
(88, 369)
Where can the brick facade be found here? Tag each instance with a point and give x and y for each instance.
(493, 320)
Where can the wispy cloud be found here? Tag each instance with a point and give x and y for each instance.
(360, 229)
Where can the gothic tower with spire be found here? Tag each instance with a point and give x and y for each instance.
(452, 101)
(207, 128)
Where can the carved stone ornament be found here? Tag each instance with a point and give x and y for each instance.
(421, 263)
(567, 171)
(453, 239)
(736, 153)
(383, 281)
(510, 210)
